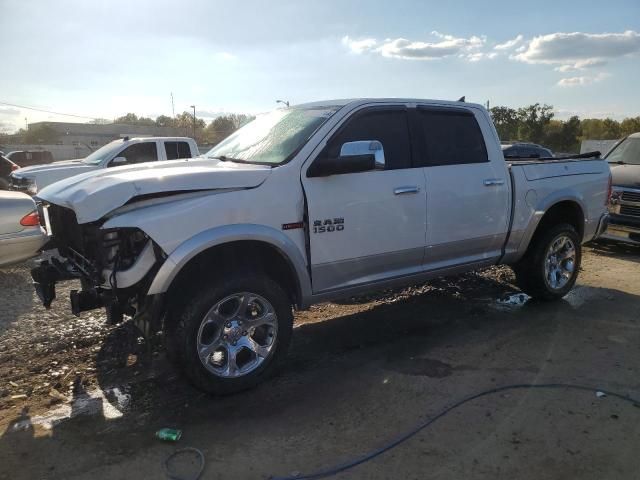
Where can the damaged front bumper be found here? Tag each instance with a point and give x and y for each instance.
(49, 272)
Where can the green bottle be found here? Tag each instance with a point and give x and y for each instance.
(169, 434)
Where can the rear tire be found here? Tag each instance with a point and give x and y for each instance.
(234, 332)
(549, 268)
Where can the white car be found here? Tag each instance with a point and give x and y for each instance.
(126, 151)
(307, 204)
(21, 236)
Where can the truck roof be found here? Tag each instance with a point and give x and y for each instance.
(172, 139)
(356, 101)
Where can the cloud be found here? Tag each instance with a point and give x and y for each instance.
(581, 65)
(509, 44)
(476, 57)
(576, 51)
(582, 80)
(445, 46)
(359, 46)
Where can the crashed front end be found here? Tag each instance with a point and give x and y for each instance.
(115, 266)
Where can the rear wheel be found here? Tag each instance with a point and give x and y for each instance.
(550, 267)
(234, 333)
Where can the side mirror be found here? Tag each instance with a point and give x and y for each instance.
(365, 147)
(118, 161)
(360, 156)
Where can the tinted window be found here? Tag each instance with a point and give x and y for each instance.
(451, 138)
(177, 150)
(511, 152)
(529, 152)
(389, 127)
(140, 152)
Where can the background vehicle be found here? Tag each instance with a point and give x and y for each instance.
(119, 152)
(525, 150)
(6, 167)
(26, 158)
(21, 235)
(307, 204)
(624, 160)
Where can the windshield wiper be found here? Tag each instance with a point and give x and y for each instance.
(619, 162)
(224, 158)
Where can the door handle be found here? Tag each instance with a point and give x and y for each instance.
(408, 189)
(493, 181)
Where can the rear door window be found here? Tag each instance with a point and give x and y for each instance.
(450, 137)
(176, 150)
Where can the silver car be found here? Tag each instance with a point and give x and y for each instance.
(21, 235)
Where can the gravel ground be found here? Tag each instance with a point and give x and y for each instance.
(79, 399)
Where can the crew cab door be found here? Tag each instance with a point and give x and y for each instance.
(468, 187)
(369, 225)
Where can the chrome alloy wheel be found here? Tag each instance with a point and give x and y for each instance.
(237, 334)
(560, 262)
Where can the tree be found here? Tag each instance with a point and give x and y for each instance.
(184, 121)
(611, 129)
(165, 121)
(506, 122)
(533, 120)
(133, 119)
(223, 126)
(629, 126)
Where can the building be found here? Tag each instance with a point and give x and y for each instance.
(77, 140)
(94, 136)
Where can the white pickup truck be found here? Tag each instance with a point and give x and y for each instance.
(307, 204)
(125, 151)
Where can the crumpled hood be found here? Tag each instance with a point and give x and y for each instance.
(93, 195)
(52, 172)
(625, 175)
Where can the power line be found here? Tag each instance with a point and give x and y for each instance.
(47, 111)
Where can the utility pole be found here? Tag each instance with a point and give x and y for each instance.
(173, 108)
(26, 124)
(194, 121)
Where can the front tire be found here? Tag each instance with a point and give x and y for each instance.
(234, 333)
(549, 269)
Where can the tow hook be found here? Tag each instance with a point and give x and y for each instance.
(45, 276)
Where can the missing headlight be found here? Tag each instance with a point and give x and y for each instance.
(122, 246)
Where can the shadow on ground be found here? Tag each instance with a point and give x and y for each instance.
(394, 335)
(619, 250)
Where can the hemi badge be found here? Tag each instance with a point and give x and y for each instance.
(292, 226)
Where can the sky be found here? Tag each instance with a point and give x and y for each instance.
(102, 59)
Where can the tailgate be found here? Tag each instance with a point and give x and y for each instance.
(538, 171)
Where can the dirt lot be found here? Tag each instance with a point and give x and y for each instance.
(77, 400)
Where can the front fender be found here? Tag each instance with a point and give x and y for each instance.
(226, 234)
